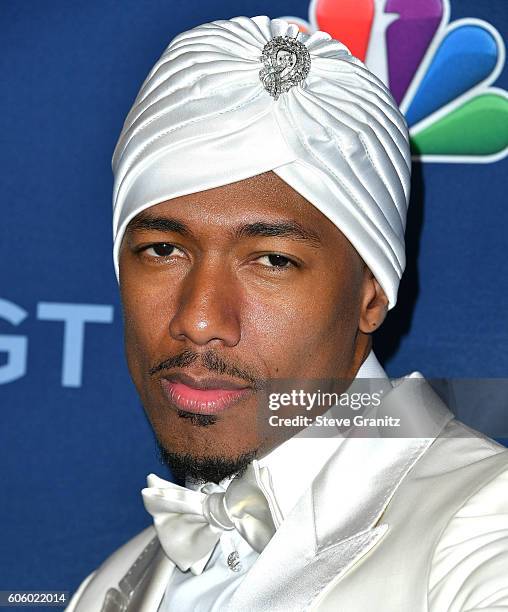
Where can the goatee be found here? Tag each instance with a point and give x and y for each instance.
(185, 467)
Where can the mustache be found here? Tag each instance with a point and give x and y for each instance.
(211, 361)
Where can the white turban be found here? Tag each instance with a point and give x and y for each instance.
(203, 119)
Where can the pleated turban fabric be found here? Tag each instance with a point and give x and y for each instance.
(204, 118)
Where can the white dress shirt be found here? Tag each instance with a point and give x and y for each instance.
(292, 467)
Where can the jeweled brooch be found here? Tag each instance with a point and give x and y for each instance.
(234, 561)
(286, 64)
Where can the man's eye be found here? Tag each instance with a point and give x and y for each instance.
(161, 249)
(276, 261)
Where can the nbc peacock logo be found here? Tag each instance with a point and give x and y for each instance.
(440, 73)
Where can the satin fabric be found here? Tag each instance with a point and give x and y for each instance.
(190, 523)
(377, 521)
(203, 119)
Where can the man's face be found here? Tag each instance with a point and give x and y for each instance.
(222, 291)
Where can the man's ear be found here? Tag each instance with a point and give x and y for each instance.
(374, 304)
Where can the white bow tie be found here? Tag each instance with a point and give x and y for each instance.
(189, 523)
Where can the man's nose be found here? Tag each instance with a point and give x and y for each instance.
(207, 307)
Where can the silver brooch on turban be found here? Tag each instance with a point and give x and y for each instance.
(286, 63)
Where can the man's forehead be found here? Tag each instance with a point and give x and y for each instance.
(259, 205)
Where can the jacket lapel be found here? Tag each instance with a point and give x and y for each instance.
(295, 567)
(142, 588)
(338, 520)
(151, 591)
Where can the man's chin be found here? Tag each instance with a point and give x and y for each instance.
(187, 467)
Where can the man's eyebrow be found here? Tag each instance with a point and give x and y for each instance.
(158, 224)
(282, 229)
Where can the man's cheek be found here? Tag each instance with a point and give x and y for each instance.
(146, 319)
(139, 344)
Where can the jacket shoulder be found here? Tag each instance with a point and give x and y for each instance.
(92, 591)
(460, 447)
(470, 561)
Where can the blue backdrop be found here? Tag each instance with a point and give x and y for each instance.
(76, 447)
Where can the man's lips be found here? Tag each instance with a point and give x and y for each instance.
(204, 395)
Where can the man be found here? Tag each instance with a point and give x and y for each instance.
(261, 185)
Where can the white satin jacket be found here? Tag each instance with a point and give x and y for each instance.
(389, 524)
